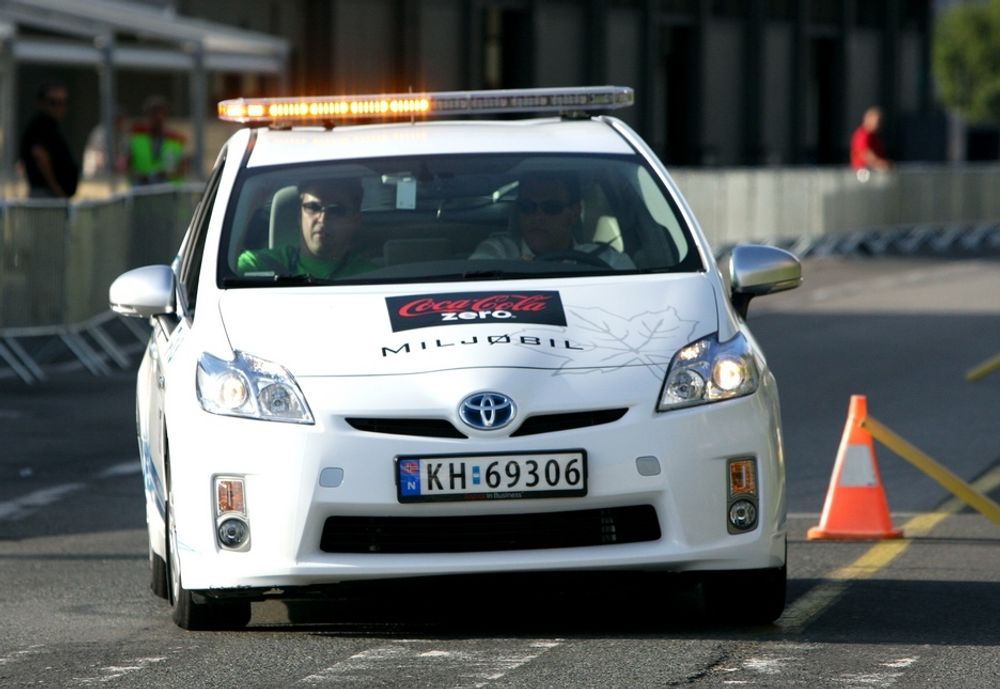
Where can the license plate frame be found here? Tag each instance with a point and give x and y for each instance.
(420, 468)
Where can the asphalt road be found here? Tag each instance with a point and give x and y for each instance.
(75, 609)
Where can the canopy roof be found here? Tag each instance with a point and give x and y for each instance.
(183, 41)
(111, 35)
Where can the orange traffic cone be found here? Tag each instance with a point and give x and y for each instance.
(856, 507)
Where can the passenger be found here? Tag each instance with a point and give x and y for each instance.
(329, 217)
(548, 212)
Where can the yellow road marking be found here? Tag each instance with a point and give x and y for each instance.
(984, 369)
(817, 600)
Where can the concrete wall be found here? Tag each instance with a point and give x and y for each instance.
(768, 205)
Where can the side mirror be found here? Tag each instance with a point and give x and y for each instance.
(755, 270)
(143, 292)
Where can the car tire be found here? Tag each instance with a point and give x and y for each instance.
(754, 596)
(187, 610)
(158, 575)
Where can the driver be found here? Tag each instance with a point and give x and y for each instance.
(329, 219)
(548, 210)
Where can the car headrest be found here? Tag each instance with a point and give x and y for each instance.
(285, 226)
(607, 231)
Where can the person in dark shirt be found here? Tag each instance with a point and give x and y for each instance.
(44, 152)
(329, 218)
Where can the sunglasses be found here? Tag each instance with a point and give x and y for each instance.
(529, 207)
(333, 209)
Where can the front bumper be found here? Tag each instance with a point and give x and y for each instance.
(287, 505)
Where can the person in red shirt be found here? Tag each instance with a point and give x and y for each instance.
(867, 151)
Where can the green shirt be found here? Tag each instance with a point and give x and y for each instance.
(288, 260)
(150, 163)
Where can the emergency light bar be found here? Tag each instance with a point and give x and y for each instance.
(332, 109)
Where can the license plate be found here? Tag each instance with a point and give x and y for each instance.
(434, 478)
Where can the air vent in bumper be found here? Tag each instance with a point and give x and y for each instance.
(609, 526)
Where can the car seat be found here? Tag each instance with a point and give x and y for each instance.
(284, 226)
(607, 231)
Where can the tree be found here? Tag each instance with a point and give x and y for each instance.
(967, 59)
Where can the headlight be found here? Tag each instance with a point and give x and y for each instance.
(250, 387)
(708, 371)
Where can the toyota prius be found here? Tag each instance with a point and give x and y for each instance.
(404, 337)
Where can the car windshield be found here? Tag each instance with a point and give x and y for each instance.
(429, 218)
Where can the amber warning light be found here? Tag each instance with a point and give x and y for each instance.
(332, 109)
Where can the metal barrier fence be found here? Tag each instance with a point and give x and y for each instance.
(777, 204)
(57, 260)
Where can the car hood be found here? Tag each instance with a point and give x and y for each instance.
(351, 331)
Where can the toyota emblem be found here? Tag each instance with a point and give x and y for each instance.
(487, 411)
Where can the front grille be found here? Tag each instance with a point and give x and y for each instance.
(550, 423)
(609, 526)
(533, 425)
(429, 428)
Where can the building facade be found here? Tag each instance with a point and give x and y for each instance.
(717, 82)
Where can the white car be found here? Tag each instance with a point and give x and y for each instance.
(401, 342)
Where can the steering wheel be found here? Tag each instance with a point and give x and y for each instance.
(573, 255)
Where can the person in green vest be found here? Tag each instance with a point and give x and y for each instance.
(155, 153)
(329, 219)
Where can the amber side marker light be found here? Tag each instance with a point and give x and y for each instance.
(230, 494)
(329, 110)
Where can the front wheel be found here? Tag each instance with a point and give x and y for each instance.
(158, 575)
(755, 596)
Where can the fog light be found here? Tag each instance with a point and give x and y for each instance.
(233, 533)
(743, 515)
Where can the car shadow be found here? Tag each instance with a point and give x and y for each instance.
(515, 605)
(884, 611)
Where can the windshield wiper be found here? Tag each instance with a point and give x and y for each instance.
(488, 274)
(274, 280)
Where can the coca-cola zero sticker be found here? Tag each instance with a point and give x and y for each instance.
(457, 308)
